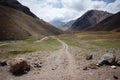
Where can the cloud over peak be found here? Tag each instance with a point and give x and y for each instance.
(66, 10)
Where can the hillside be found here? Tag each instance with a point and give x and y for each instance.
(90, 18)
(15, 24)
(111, 23)
(18, 6)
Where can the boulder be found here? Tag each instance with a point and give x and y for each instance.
(19, 66)
(107, 59)
(89, 57)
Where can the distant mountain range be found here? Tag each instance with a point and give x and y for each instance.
(18, 22)
(57, 23)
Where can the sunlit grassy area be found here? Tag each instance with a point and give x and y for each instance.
(106, 44)
(28, 46)
(98, 35)
(92, 42)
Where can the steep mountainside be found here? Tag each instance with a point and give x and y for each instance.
(111, 23)
(16, 5)
(90, 18)
(15, 24)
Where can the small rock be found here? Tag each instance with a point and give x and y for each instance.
(89, 57)
(53, 69)
(3, 63)
(85, 68)
(98, 65)
(37, 65)
(115, 77)
(113, 67)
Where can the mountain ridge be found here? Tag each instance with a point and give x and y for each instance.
(88, 19)
(18, 6)
(109, 24)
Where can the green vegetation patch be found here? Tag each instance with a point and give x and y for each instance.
(107, 44)
(16, 48)
(70, 43)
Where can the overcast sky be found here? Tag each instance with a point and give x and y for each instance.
(66, 10)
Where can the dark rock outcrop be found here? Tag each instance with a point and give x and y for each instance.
(19, 66)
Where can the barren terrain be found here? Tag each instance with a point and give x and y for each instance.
(67, 61)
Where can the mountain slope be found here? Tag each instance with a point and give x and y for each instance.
(15, 24)
(90, 18)
(111, 23)
(18, 6)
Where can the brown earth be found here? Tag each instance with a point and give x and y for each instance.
(61, 65)
(15, 24)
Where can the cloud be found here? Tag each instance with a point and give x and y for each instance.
(66, 10)
(113, 7)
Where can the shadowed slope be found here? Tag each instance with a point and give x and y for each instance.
(111, 23)
(15, 24)
(90, 18)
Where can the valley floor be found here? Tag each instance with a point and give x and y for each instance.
(65, 63)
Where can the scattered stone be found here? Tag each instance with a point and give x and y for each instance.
(53, 69)
(115, 77)
(98, 65)
(107, 59)
(113, 67)
(3, 63)
(89, 57)
(37, 65)
(85, 68)
(19, 66)
(40, 62)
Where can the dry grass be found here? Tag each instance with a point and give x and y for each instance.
(92, 42)
(98, 35)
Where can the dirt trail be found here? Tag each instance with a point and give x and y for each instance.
(44, 38)
(59, 66)
(4, 44)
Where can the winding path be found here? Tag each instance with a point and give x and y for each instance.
(59, 66)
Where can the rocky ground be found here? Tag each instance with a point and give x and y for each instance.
(61, 65)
